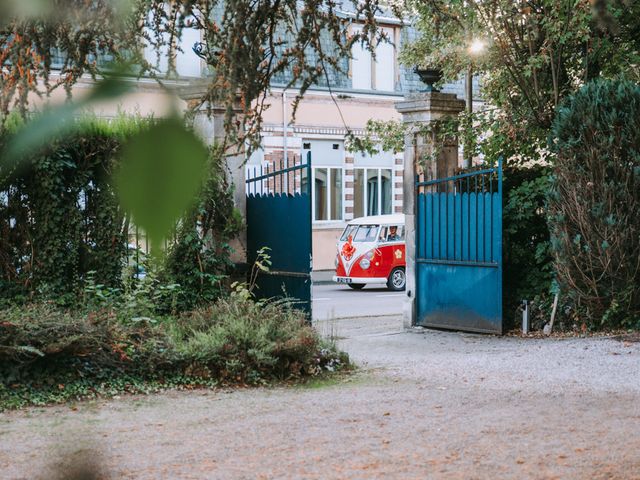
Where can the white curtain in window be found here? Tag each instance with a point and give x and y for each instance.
(360, 66)
(387, 201)
(372, 192)
(320, 186)
(385, 64)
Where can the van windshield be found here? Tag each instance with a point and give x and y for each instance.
(366, 233)
(360, 233)
(350, 230)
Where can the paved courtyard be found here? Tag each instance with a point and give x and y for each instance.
(424, 404)
(332, 301)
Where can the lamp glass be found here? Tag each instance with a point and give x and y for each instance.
(477, 46)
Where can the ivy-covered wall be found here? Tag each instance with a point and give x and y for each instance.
(60, 218)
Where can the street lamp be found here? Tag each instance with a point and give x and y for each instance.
(476, 47)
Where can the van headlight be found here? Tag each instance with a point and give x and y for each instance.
(366, 259)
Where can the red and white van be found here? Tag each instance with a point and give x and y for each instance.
(371, 250)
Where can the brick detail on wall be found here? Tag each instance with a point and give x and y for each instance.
(399, 161)
(348, 209)
(398, 173)
(348, 196)
(398, 185)
(348, 184)
(398, 196)
(348, 160)
(398, 209)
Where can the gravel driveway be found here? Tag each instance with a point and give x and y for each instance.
(425, 404)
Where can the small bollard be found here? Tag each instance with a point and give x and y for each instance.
(525, 317)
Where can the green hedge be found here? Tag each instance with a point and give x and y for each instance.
(61, 225)
(595, 202)
(527, 261)
(59, 215)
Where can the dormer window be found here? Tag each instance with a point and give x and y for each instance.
(378, 74)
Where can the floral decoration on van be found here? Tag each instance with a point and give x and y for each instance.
(348, 249)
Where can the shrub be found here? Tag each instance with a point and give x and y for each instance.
(527, 262)
(40, 341)
(200, 257)
(49, 354)
(59, 216)
(594, 203)
(62, 228)
(239, 339)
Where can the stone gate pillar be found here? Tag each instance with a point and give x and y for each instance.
(419, 110)
(210, 127)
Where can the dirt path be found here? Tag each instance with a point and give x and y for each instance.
(425, 405)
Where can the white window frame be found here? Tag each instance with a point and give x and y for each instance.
(328, 205)
(366, 187)
(373, 65)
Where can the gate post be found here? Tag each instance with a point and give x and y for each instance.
(419, 110)
(208, 123)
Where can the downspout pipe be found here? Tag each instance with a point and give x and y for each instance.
(284, 128)
(284, 139)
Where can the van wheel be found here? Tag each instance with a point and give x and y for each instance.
(356, 286)
(397, 280)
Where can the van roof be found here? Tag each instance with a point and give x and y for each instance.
(397, 218)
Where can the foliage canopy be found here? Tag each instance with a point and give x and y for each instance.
(245, 43)
(536, 53)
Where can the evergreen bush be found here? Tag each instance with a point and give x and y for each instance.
(62, 228)
(594, 203)
(527, 260)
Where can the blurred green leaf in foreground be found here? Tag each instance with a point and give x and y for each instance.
(160, 174)
(161, 166)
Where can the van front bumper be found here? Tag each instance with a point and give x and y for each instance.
(367, 280)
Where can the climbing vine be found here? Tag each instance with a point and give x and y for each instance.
(199, 259)
(60, 217)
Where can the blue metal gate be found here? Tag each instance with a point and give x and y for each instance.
(459, 251)
(279, 217)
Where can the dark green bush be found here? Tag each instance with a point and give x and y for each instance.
(62, 228)
(199, 259)
(527, 260)
(594, 204)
